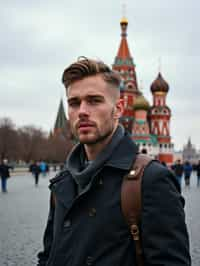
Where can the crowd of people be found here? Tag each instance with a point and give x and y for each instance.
(184, 170)
(37, 168)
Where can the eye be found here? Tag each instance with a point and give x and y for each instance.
(95, 100)
(73, 104)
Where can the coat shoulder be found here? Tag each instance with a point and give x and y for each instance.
(155, 172)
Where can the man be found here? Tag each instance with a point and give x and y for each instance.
(187, 169)
(178, 170)
(85, 224)
(35, 170)
(4, 174)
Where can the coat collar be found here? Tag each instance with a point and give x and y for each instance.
(64, 186)
(124, 155)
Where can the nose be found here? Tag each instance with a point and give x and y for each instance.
(83, 109)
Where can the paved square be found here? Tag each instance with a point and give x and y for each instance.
(23, 214)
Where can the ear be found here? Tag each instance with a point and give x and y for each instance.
(119, 108)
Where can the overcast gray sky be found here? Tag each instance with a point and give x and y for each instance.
(40, 38)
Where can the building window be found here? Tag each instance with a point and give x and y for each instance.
(130, 86)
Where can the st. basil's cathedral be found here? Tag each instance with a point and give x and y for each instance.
(149, 125)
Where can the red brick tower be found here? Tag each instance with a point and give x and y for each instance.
(124, 64)
(159, 116)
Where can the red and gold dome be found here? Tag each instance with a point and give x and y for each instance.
(159, 85)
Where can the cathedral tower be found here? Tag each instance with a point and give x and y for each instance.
(160, 115)
(124, 64)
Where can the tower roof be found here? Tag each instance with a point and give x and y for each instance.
(61, 120)
(189, 144)
(124, 62)
(159, 84)
(123, 57)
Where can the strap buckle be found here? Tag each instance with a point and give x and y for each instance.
(135, 232)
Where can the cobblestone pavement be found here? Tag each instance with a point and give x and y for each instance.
(23, 214)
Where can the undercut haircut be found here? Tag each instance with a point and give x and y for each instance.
(85, 67)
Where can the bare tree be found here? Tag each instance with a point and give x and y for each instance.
(32, 143)
(59, 147)
(8, 139)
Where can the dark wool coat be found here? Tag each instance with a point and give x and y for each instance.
(178, 169)
(4, 171)
(90, 229)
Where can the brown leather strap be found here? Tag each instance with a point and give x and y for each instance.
(131, 201)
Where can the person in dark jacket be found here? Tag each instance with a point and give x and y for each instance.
(86, 225)
(178, 170)
(4, 174)
(187, 169)
(35, 170)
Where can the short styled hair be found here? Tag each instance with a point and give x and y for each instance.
(85, 67)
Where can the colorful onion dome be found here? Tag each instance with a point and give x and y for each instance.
(141, 103)
(159, 85)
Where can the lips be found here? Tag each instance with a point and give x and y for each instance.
(85, 125)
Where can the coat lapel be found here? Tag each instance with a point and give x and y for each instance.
(64, 190)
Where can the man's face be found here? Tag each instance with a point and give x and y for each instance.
(93, 109)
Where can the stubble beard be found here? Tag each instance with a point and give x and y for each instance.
(101, 135)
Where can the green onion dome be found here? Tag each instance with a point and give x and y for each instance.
(141, 103)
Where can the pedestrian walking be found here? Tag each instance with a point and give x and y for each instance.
(85, 224)
(43, 168)
(4, 174)
(197, 168)
(178, 170)
(187, 169)
(35, 169)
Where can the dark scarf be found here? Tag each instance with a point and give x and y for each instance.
(76, 162)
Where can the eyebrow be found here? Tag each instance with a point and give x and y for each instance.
(76, 98)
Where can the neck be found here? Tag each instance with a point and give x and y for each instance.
(92, 150)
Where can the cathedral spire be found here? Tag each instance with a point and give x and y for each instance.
(124, 56)
(125, 66)
(124, 62)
